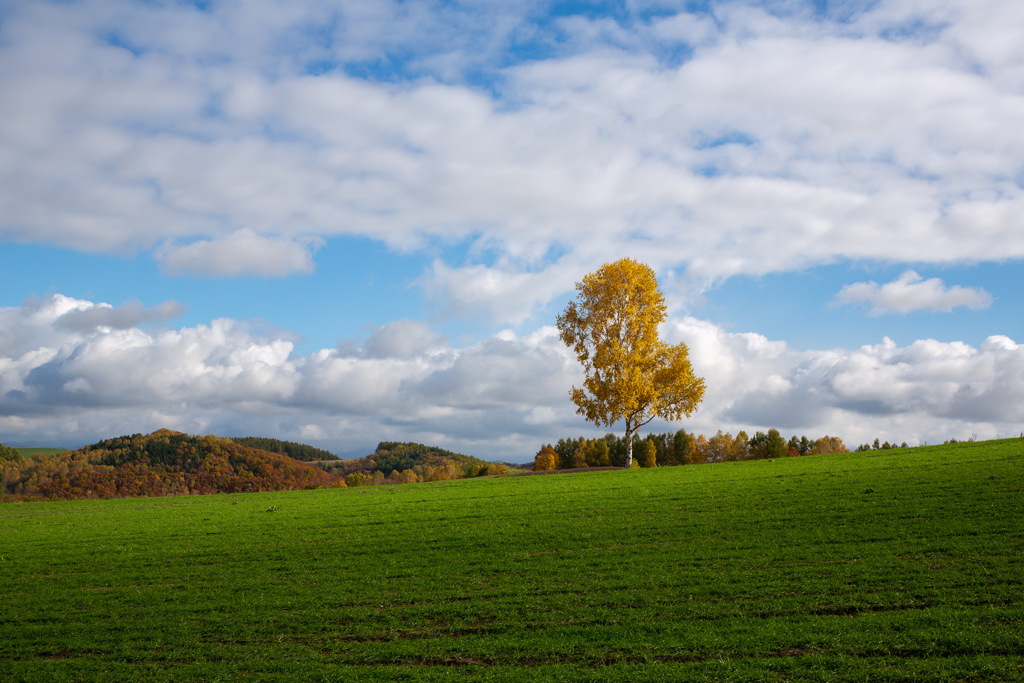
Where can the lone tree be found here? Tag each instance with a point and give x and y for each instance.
(631, 375)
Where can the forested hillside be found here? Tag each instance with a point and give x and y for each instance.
(159, 464)
(299, 451)
(167, 463)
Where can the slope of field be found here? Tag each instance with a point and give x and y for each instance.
(886, 565)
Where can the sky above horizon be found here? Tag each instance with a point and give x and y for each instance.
(347, 222)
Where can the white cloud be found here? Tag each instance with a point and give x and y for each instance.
(509, 295)
(780, 141)
(926, 391)
(231, 141)
(910, 292)
(500, 398)
(403, 382)
(401, 339)
(241, 253)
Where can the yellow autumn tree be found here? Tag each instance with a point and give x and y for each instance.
(630, 374)
(546, 459)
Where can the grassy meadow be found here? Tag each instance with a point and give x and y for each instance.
(879, 566)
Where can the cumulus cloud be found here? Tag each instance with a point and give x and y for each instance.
(403, 382)
(232, 139)
(928, 390)
(500, 397)
(401, 339)
(735, 140)
(910, 292)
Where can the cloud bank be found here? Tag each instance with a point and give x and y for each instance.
(501, 397)
(234, 139)
(745, 138)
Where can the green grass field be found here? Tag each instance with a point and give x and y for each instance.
(878, 566)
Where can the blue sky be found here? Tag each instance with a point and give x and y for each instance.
(357, 221)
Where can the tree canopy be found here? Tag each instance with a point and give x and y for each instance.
(12, 454)
(630, 374)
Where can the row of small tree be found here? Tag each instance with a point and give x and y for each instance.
(876, 446)
(679, 448)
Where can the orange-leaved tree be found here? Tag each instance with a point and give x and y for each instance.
(546, 459)
(630, 374)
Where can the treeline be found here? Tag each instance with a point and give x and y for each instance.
(679, 448)
(406, 463)
(299, 451)
(163, 463)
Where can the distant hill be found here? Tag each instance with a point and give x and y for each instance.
(159, 464)
(299, 451)
(414, 462)
(395, 455)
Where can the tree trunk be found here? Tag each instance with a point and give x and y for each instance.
(629, 444)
